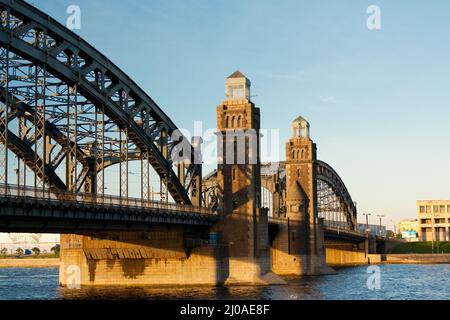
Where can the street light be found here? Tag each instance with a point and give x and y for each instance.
(367, 232)
(380, 216)
(395, 228)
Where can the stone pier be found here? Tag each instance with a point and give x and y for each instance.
(299, 246)
(150, 258)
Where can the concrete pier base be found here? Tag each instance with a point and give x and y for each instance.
(339, 257)
(158, 261)
(299, 257)
(299, 265)
(251, 271)
(155, 258)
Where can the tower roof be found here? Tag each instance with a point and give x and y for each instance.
(295, 192)
(300, 118)
(236, 74)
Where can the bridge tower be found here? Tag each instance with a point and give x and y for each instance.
(299, 246)
(245, 226)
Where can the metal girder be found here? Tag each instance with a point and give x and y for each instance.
(326, 173)
(99, 152)
(24, 111)
(28, 155)
(333, 198)
(4, 113)
(65, 56)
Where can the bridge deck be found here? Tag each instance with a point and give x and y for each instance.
(330, 232)
(333, 233)
(30, 209)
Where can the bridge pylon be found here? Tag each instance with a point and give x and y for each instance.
(298, 247)
(244, 225)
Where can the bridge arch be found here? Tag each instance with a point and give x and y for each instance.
(334, 201)
(78, 107)
(333, 195)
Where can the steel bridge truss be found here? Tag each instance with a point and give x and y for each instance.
(330, 207)
(67, 113)
(334, 203)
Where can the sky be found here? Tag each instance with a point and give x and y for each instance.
(377, 100)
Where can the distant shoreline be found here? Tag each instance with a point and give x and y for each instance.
(421, 258)
(29, 263)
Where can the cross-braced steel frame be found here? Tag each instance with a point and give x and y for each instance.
(330, 207)
(67, 113)
(334, 202)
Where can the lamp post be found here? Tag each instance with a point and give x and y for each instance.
(380, 216)
(394, 229)
(367, 233)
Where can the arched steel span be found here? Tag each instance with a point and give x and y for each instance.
(70, 104)
(334, 200)
(339, 200)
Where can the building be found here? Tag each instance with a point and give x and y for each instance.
(14, 241)
(433, 220)
(409, 229)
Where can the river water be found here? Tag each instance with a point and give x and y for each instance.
(399, 282)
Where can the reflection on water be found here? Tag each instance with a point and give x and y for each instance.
(397, 282)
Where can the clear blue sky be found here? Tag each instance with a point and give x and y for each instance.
(377, 101)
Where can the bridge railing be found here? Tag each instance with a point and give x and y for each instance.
(51, 195)
(327, 226)
(343, 230)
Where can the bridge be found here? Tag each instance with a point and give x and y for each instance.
(74, 126)
(27, 209)
(335, 209)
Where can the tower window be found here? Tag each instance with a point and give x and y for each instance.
(294, 235)
(302, 132)
(237, 92)
(239, 123)
(234, 174)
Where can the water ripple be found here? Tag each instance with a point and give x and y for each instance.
(397, 282)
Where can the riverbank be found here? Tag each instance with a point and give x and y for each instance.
(420, 247)
(416, 258)
(358, 259)
(30, 263)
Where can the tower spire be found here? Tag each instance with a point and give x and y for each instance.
(238, 86)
